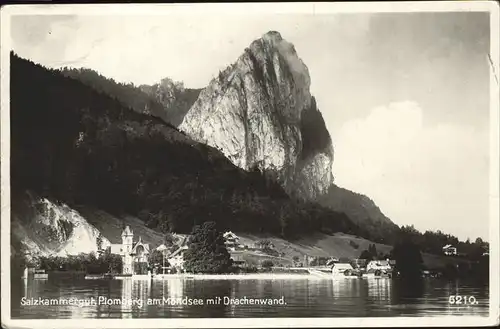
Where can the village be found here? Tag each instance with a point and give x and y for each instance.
(257, 257)
(140, 261)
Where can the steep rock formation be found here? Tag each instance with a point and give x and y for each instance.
(43, 227)
(173, 97)
(259, 112)
(113, 159)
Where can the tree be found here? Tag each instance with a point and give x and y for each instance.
(99, 241)
(408, 259)
(207, 252)
(372, 249)
(169, 240)
(265, 244)
(267, 264)
(365, 254)
(155, 258)
(109, 262)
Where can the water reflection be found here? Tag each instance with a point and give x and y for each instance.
(304, 298)
(379, 289)
(175, 288)
(126, 308)
(407, 290)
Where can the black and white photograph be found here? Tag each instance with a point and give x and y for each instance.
(269, 164)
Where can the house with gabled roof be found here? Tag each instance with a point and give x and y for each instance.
(381, 265)
(449, 250)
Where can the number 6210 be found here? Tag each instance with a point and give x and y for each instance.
(465, 300)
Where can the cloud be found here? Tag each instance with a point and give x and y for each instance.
(431, 176)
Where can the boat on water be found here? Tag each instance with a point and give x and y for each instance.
(122, 276)
(106, 276)
(40, 274)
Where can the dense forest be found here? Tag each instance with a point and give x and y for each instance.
(72, 141)
(432, 242)
(363, 212)
(167, 100)
(80, 146)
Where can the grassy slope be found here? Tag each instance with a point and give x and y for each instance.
(337, 245)
(317, 245)
(111, 227)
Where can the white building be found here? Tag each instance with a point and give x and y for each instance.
(342, 269)
(381, 265)
(449, 250)
(231, 240)
(132, 253)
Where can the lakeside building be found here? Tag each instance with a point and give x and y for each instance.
(360, 262)
(231, 240)
(342, 269)
(381, 265)
(238, 259)
(134, 255)
(332, 261)
(449, 250)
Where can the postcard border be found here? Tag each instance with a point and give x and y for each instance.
(251, 9)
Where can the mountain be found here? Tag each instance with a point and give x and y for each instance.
(73, 145)
(259, 112)
(362, 211)
(175, 99)
(127, 94)
(167, 100)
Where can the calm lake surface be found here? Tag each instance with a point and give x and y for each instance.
(304, 297)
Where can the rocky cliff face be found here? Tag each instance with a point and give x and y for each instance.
(260, 113)
(173, 97)
(43, 227)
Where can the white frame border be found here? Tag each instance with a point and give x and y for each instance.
(253, 9)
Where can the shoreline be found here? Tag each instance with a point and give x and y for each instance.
(249, 276)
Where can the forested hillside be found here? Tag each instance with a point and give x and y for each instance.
(77, 145)
(166, 100)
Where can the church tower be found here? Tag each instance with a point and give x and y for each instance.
(127, 240)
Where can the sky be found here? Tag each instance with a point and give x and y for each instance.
(405, 96)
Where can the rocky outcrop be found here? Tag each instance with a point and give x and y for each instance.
(175, 99)
(43, 227)
(260, 113)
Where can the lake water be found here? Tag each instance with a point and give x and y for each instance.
(303, 297)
